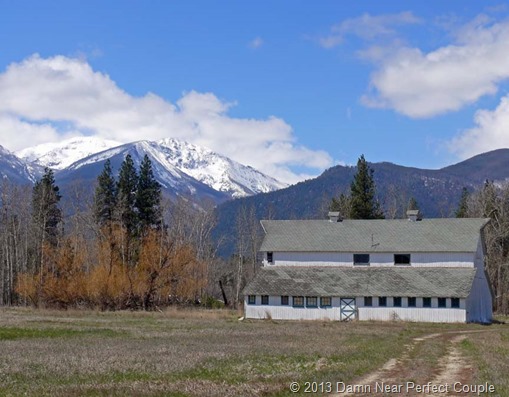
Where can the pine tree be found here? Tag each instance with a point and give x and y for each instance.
(363, 201)
(412, 204)
(105, 196)
(46, 213)
(342, 204)
(126, 195)
(462, 210)
(148, 196)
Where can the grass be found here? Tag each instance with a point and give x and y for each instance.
(489, 353)
(13, 333)
(208, 353)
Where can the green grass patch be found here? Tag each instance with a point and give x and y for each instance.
(13, 333)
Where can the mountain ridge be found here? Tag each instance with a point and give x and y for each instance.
(437, 191)
(181, 168)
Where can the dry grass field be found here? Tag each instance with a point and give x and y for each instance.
(211, 353)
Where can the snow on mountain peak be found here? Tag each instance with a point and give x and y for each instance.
(60, 155)
(218, 171)
(171, 159)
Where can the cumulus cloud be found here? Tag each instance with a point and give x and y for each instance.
(46, 99)
(422, 84)
(490, 132)
(368, 27)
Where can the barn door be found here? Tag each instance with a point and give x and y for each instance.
(347, 309)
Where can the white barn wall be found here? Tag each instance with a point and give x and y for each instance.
(412, 314)
(419, 313)
(479, 302)
(378, 259)
(274, 310)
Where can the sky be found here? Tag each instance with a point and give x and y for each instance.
(288, 87)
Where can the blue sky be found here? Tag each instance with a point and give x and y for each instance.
(290, 88)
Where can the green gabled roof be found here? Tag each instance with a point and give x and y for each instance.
(354, 282)
(381, 235)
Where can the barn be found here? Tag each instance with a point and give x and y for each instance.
(430, 270)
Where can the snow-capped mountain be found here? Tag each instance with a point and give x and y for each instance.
(173, 181)
(217, 171)
(17, 170)
(174, 161)
(60, 155)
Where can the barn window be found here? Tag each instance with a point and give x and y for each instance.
(426, 302)
(298, 301)
(270, 257)
(397, 301)
(455, 303)
(311, 301)
(325, 301)
(401, 259)
(382, 301)
(412, 301)
(368, 301)
(265, 299)
(442, 302)
(361, 259)
(251, 299)
(284, 300)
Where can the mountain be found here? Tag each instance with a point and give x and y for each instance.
(173, 181)
(181, 168)
(491, 165)
(16, 170)
(217, 171)
(60, 155)
(436, 191)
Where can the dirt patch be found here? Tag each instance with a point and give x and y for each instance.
(392, 377)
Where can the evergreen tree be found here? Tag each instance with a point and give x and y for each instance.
(363, 201)
(462, 210)
(489, 199)
(105, 196)
(148, 196)
(342, 204)
(412, 204)
(46, 213)
(126, 195)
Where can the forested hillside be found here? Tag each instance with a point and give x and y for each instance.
(437, 191)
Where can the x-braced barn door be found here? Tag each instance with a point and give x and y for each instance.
(347, 309)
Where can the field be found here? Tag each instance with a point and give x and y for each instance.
(211, 353)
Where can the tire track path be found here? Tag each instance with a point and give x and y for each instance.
(451, 367)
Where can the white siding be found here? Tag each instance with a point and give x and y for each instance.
(412, 314)
(275, 311)
(480, 301)
(377, 259)
(443, 259)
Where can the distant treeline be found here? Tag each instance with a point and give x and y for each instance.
(127, 249)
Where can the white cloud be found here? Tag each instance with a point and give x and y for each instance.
(420, 84)
(368, 27)
(257, 42)
(489, 133)
(39, 95)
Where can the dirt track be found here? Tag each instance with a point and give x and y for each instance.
(450, 367)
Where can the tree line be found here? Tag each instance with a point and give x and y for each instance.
(127, 248)
(130, 248)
